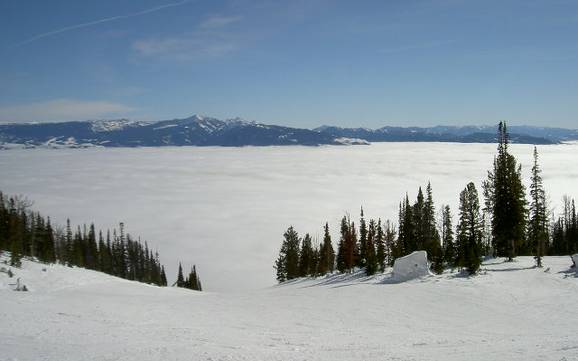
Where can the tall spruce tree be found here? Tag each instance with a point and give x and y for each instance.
(341, 248)
(431, 236)
(180, 277)
(361, 259)
(306, 257)
(381, 253)
(326, 253)
(538, 223)
(505, 199)
(419, 232)
(287, 263)
(469, 230)
(371, 265)
(448, 237)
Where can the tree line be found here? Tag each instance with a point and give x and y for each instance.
(506, 224)
(25, 233)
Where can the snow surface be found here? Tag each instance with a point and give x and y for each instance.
(227, 208)
(412, 266)
(511, 311)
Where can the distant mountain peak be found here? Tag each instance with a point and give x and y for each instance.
(201, 130)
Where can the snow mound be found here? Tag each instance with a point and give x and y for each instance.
(575, 260)
(412, 266)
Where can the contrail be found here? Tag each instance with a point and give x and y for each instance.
(100, 21)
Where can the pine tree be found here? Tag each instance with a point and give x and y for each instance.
(361, 260)
(371, 265)
(448, 237)
(406, 242)
(381, 253)
(341, 248)
(306, 257)
(537, 225)
(419, 233)
(469, 230)
(505, 199)
(287, 263)
(180, 278)
(326, 253)
(432, 243)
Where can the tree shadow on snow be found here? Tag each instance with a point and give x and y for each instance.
(511, 269)
(571, 272)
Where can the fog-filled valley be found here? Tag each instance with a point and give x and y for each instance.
(227, 208)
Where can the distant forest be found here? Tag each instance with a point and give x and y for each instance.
(511, 221)
(25, 233)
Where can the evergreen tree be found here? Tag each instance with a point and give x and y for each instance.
(306, 257)
(348, 250)
(287, 263)
(537, 225)
(341, 248)
(371, 265)
(381, 253)
(450, 253)
(326, 253)
(419, 232)
(469, 230)
(163, 277)
(361, 260)
(180, 278)
(390, 241)
(431, 236)
(505, 199)
(406, 242)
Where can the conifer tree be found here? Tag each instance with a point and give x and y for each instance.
(352, 248)
(469, 230)
(326, 253)
(537, 225)
(287, 263)
(341, 249)
(505, 199)
(390, 241)
(163, 277)
(381, 253)
(361, 260)
(448, 237)
(306, 257)
(432, 242)
(371, 265)
(418, 222)
(180, 277)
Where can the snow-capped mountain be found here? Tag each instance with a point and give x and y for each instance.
(207, 131)
(196, 130)
(465, 134)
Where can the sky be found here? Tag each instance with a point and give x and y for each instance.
(300, 63)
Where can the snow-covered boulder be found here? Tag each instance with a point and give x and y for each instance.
(412, 266)
(575, 259)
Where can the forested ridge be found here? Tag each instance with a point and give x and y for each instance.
(509, 221)
(25, 233)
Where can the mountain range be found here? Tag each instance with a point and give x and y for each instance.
(206, 131)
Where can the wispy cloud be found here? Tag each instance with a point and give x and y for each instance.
(218, 21)
(62, 110)
(211, 38)
(100, 21)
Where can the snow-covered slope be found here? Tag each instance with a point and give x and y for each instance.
(511, 311)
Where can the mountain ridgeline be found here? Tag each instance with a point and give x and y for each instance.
(206, 131)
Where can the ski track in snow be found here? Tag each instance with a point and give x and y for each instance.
(227, 208)
(510, 311)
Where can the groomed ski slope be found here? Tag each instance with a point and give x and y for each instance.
(511, 311)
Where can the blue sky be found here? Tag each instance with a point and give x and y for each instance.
(298, 63)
